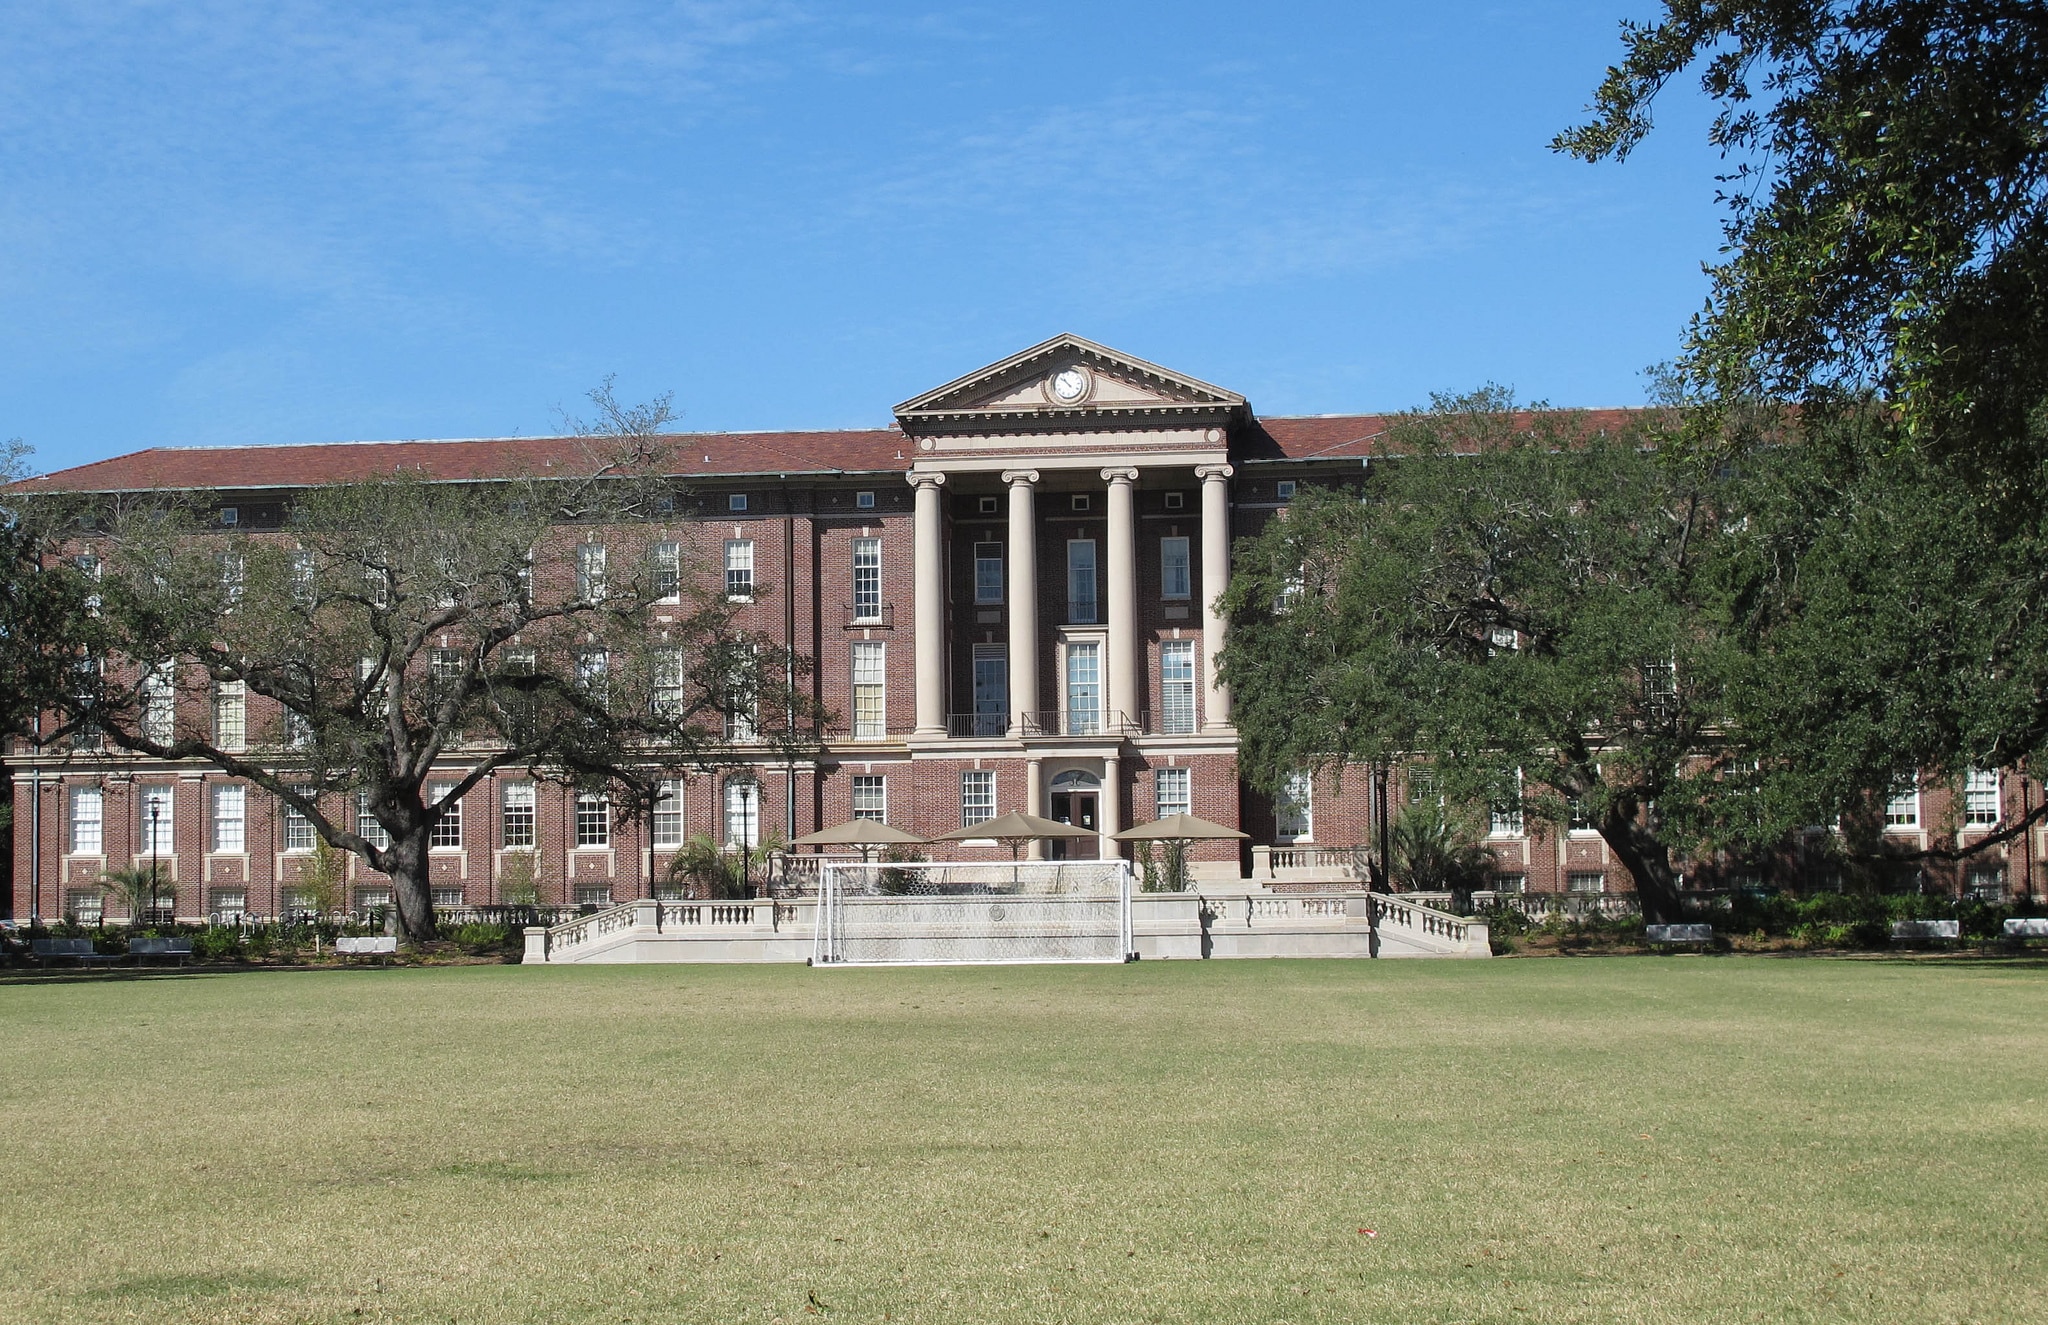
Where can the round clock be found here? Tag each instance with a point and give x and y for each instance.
(1069, 385)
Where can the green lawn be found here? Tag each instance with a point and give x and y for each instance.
(1688, 1138)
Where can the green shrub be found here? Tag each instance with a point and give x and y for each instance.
(217, 943)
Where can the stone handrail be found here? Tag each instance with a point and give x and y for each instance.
(655, 917)
(1395, 909)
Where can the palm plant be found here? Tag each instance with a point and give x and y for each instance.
(137, 889)
(1436, 851)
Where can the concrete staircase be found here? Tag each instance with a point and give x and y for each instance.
(1242, 922)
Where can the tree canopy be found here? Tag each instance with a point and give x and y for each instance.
(1523, 603)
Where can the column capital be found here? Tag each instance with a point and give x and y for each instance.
(921, 478)
(1217, 473)
(1012, 477)
(1121, 475)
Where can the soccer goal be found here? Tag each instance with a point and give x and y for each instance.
(995, 912)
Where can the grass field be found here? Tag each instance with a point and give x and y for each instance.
(1692, 1138)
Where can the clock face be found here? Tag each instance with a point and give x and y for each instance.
(1069, 385)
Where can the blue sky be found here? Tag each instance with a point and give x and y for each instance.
(231, 222)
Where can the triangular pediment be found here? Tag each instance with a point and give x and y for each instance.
(1066, 379)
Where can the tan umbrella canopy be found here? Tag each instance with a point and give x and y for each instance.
(1178, 828)
(863, 833)
(1013, 830)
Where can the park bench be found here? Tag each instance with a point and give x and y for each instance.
(1910, 931)
(2020, 928)
(1674, 935)
(382, 945)
(75, 950)
(138, 948)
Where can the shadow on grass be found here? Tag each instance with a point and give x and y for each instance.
(499, 1170)
(177, 1287)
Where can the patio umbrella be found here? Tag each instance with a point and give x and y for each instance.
(1013, 830)
(1179, 828)
(866, 834)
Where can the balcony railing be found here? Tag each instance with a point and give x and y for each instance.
(845, 730)
(968, 725)
(1080, 722)
(880, 618)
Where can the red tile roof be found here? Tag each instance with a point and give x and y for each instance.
(868, 450)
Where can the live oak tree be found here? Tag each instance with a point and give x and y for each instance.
(44, 598)
(1886, 268)
(1519, 604)
(400, 632)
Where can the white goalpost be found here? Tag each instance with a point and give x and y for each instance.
(944, 913)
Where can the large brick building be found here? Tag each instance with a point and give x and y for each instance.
(1009, 595)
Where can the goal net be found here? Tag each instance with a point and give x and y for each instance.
(994, 912)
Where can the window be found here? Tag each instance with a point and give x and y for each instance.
(1176, 501)
(594, 895)
(665, 683)
(1510, 883)
(988, 572)
(158, 827)
(298, 831)
(160, 703)
(739, 720)
(1902, 810)
(378, 581)
(1980, 797)
(515, 815)
(446, 833)
(1080, 501)
(742, 813)
(1502, 638)
(372, 899)
(444, 669)
(870, 705)
(987, 505)
(1084, 688)
(668, 814)
(977, 797)
(1177, 687)
(867, 579)
(230, 715)
(304, 573)
(1284, 489)
(1294, 810)
(591, 572)
(230, 805)
(668, 572)
(232, 577)
(1175, 580)
(367, 826)
(88, 808)
(991, 689)
(864, 500)
(593, 820)
(1175, 792)
(871, 797)
(298, 732)
(1081, 581)
(1986, 883)
(446, 899)
(739, 568)
(228, 903)
(736, 502)
(1587, 882)
(84, 907)
(1505, 819)
(593, 672)
(230, 515)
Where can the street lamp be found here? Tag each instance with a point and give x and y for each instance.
(154, 810)
(746, 848)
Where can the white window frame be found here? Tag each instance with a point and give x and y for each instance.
(867, 579)
(298, 829)
(1176, 570)
(446, 834)
(1173, 791)
(668, 572)
(742, 812)
(1072, 719)
(736, 502)
(593, 573)
(665, 693)
(1082, 561)
(593, 821)
(229, 832)
(231, 715)
(1177, 715)
(874, 789)
(518, 814)
(1507, 820)
(1902, 810)
(160, 703)
(739, 570)
(367, 826)
(666, 823)
(1981, 798)
(1294, 811)
(163, 795)
(988, 574)
(977, 794)
(864, 499)
(870, 690)
(991, 661)
(88, 829)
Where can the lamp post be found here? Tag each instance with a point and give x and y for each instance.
(746, 847)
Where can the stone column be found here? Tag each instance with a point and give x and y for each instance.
(1121, 594)
(1215, 578)
(1023, 599)
(1034, 803)
(929, 529)
(1112, 809)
